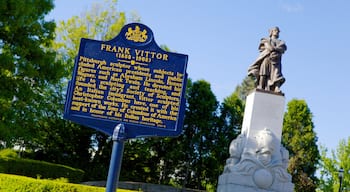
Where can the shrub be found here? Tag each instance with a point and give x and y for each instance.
(9, 183)
(38, 169)
(8, 153)
(25, 184)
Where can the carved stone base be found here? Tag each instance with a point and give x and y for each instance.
(261, 180)
(258, 161)
(241, 188)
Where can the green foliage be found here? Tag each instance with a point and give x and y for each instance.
(8, 153)
(141, 161)
(330, 166)
(101, 22)
(247, 85)
(199, 135)
(63, 142)
(232, 111)
(27, 67)
(33, 168)
(228, 128)
(9, 183)
(33, 75)
(58, 138)
(300, 139)
(196, 158)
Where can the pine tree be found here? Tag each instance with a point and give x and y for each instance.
(199, 134)
(247, 85)
(300, 139)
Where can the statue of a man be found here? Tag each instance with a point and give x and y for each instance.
(267, 69)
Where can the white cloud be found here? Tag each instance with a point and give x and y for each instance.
(293, 8)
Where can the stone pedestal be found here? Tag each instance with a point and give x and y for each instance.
(258, 161)
(263, 110)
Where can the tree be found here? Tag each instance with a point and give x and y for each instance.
(329, 167)
(28, 68)
(151, 160)
(300, 139)
(232, 111)
(199, 134)
(228, 128)
(209, 128)
(148, 160)
(247, 85)
(102, 22)
(169, 158)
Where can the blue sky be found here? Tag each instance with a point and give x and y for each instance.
(221, 38)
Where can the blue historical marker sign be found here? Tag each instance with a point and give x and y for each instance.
(128, 80)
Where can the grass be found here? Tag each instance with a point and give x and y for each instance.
(11, 183)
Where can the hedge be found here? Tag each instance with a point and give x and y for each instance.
(10, 183)
(38, 169)
(8, 153)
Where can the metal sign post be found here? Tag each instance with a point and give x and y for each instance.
(118, 138)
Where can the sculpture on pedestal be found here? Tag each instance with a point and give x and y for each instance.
(267, 69)
(258, 162)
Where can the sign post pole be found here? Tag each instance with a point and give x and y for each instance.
(118, 138)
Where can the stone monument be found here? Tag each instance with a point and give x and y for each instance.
(258, 161)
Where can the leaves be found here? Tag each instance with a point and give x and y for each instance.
(102, 22)
(330, 165)
(27, 67)
(300, 139)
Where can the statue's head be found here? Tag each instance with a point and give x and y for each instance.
(274, 31)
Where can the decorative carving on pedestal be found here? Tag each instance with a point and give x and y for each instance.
(236, 149)
(258, 161)
(259, 170)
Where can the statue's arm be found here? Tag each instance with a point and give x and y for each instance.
(281, 47)
(265, 45)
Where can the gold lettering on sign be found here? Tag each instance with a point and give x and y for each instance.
(126, 89)
(134, 56)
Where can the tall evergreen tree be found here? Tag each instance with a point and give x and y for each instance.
(199, 133)
(247, 85)
(300, 139)
(227, 127)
